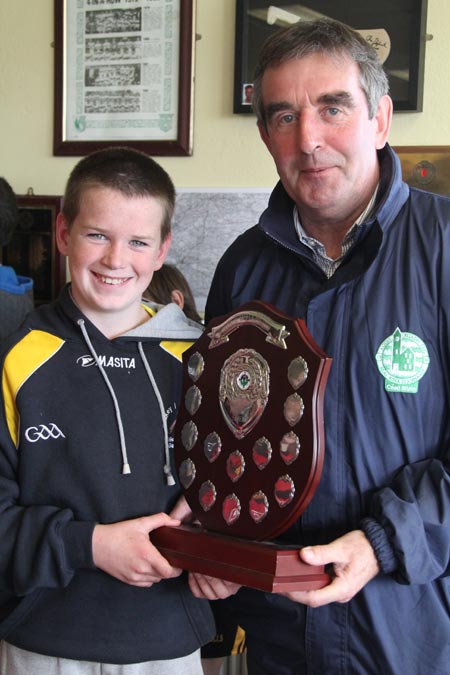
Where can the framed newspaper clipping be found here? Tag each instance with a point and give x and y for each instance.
(124, 75)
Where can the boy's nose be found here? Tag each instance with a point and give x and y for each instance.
(114, 256)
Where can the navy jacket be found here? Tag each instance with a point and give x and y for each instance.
(384, 317)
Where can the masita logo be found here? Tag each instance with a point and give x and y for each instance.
(107, 361)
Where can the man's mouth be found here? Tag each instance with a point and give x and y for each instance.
(315, 169)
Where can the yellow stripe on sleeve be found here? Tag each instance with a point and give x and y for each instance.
(175, 348)
(21, 362)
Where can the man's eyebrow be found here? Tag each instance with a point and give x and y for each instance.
(343, 98)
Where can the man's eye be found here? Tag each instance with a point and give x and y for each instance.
(288, 118)
(333, 111)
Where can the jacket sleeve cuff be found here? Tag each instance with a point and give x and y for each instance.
(379, 541)
(77, 539)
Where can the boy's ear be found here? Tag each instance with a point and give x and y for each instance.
(62, 234)
(163, 251)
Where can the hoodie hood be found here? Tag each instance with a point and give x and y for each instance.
(168, 322)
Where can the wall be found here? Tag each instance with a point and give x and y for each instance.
(227, 149)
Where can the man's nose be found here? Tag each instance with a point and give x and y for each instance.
(309, 133)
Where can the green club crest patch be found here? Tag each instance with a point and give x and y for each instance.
(403, 360)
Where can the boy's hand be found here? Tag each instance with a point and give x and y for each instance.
(124, 550)
(203, 586)
(181, 511)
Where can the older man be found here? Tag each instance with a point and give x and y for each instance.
(365, 261)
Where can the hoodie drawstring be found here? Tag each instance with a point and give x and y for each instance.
(167, 468)
(125, 465)
(123, 445)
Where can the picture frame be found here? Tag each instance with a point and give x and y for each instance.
(123, 75)
(398, 34)
(32, 251)
(426, 167)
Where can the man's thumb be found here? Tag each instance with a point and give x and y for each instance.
(313, 555)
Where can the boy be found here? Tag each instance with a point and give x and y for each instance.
(90, 389)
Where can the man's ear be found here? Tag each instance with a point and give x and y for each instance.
(62, 234)
(383, 119)
(177, 297)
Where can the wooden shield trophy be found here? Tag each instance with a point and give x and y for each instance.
(249, 449)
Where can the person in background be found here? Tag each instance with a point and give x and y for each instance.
(168, 284)
(90, 386)
(16, 292)
(248, 94)
(364, 259)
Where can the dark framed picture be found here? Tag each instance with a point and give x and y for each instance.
(124, 76)
(396, 29)
(32, 250)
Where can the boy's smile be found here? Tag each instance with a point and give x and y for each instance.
(114, 246)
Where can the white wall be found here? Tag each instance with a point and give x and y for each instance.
(227, 149)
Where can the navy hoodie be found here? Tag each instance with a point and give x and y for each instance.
(63, 443)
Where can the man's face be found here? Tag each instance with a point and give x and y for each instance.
(114, 246)
(320, 136)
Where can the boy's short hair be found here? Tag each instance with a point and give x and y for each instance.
(9, 212)
(129, 171)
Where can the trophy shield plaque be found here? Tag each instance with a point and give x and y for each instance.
(249, 448)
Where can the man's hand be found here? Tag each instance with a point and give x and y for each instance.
(210, 588)
(354, 564)
(124, 550)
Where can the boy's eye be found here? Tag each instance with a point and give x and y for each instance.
(96, 235)
(138, 243)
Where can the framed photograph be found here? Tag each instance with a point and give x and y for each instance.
(32, 250)
(123, 75)
(396, 29)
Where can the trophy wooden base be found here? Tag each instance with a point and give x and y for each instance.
(264, 565)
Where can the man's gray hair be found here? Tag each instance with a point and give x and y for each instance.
(324, 36)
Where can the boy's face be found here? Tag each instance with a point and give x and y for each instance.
(113, 247)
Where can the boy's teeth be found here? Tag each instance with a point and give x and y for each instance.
(109, 280)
